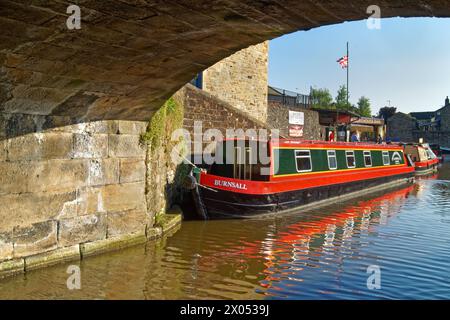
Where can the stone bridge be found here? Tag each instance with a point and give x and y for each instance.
(74, 178)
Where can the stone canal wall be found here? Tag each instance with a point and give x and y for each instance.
(278, 117)
(212, 112)
(68, 188)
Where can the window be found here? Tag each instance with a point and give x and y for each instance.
(332, 161)
(350, 155)
(386, 158)
(367, 159)
(303, 160)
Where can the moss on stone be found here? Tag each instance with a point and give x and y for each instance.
(167, 119)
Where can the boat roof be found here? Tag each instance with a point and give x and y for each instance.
(285, 142)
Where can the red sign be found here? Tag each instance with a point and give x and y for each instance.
(296, 131)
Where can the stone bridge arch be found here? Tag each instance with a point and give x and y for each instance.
(130, 56)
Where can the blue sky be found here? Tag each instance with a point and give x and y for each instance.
(407, 61)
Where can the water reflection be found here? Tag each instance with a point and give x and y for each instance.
(315, 254)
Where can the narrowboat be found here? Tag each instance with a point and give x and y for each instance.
(425, 161)
(295, 173)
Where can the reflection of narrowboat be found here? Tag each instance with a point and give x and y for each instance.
(445, 152)
(424, 159)
(437, 151)
(297, 173)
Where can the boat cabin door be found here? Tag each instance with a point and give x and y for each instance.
(242, 166)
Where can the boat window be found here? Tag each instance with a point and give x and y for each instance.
(431, 154)
(303, 160)
(350, 155)
(332, 161)
(386, 158)
(367, 159)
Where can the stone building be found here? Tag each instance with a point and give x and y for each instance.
(400, 127)
(240, 80)
(432, 127)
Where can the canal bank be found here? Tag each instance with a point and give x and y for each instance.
(318, 254)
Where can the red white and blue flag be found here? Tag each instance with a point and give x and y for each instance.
(343, 62)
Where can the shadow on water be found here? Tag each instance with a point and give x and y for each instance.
(314, 254)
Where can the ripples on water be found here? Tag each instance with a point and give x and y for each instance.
(319, 254)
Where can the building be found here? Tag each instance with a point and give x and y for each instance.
(433, 126)
(368, 128)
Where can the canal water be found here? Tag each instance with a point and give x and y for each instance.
(391, 245)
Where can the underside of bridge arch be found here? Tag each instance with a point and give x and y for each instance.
(129, 56)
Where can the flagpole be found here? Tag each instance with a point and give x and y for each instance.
(348, 67)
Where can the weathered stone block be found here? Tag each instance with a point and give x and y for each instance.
(58, 174)
(53, 257)
(112, 198)
(81, 229)
(40, 146)
(122, 197)
(88, 145)
(126, 146)
(37, 238)
(28, 208)
(6, 246)
(2, 150)
(127, 222)
(90, 201)
(103, 171)
(132, 127)
(37, 176)
(132, 170)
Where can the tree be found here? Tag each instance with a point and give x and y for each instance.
(321, 98)
(341, 99)
(364, 107)
(386, 113)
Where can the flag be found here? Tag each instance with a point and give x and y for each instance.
(343, 62)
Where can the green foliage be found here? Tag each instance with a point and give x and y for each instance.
(160, 218)
(341, 99)
(321, 98)
(364, 107)
(387, 112)
(168, 118)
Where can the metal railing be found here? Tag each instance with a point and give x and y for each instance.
(289, 98)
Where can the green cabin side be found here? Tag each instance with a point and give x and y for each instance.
(290, 161)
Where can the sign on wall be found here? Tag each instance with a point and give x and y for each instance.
(296, 117)
(296, 131)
